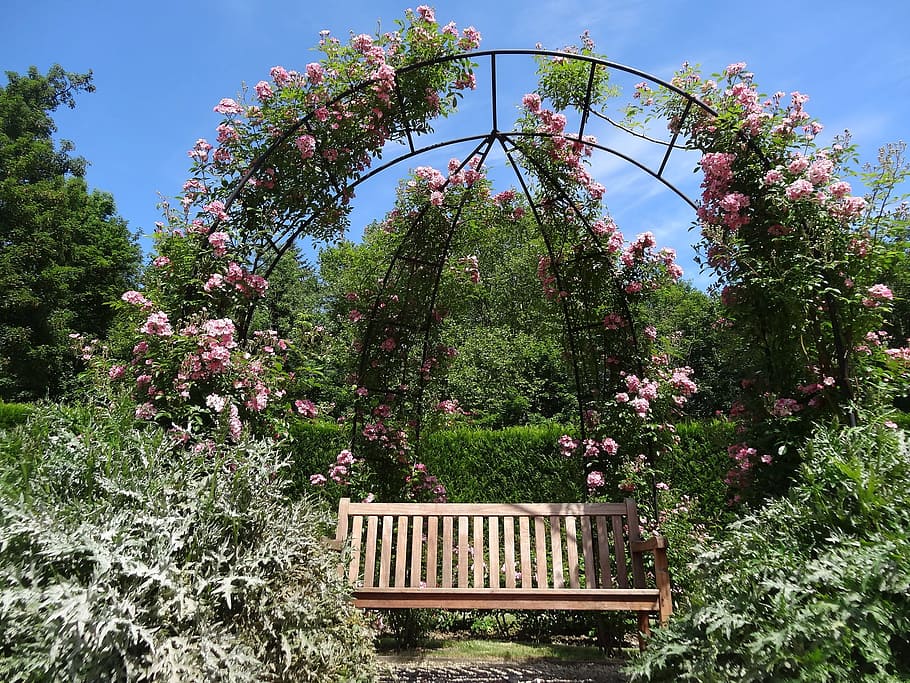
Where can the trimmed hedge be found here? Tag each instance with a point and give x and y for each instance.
(522, 464)
(513, 465)
(12, 414)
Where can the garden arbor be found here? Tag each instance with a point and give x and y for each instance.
(398, 350)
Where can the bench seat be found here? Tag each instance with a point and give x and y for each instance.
(521, 556)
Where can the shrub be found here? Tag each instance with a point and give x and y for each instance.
(513, 465)
(813, 587)
(12, 414)
(123, 558)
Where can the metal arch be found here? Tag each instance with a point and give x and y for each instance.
(404, 134)
(595, 62)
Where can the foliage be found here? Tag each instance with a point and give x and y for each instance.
(195, 365)
(812, 587)
(12, 414)
(801, 262)
(120, 562)
(64, 251)
(484, 466)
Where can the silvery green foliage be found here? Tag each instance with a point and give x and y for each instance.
(814, 587)
(123, 558)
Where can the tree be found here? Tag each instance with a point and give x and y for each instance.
(64, 251)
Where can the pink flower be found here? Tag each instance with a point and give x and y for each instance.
(735, 68)
(362, 43)
(609, 446)
(317, 479)
(345, 457)
(388, 344)
(263, 90)
(799, 189)
(307, 146)
(145, 411)
(157, 325)
(621, 397)
(567, 445)
(116, 371)
(784, 407)
(280, 75)
(877, 294)
(219, 241)
(315, 73)
(595, 480)
(161, 262)
(641, 406)
(215, 402)
(531, 102)
(136, 299)
(426, 13)
(306, 408)
(228, 106)
(436, 198)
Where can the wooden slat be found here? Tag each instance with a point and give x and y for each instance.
(619, 552)
(587, 541)
(572, 552)
(401, 552)
(447, 552)
(356, 542)
(463, 553)
(638, 571)
(488, 509)
(517, 598)
(509, 550)
(524, 545)
(369, 565)
(540, 551)
(556, 551)
(478, 552)
(603, 553)
(416, 550)
(385, 560)
(494, 552)
(341, 531)
(432, 545)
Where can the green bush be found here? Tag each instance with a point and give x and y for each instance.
(125, 558)
(513, 465)
(314, 446)
(813, 587)
(12, 414)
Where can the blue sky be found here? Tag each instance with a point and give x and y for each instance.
(160, 68)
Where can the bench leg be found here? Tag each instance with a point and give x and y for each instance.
(644, 629)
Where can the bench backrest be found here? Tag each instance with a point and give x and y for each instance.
(479, 545)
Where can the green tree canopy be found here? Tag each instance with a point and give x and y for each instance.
(64, 251)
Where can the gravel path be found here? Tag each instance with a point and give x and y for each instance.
(519, 672)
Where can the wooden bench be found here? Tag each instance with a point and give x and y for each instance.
(534, 556)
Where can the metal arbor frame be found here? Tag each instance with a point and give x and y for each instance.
(415, 269)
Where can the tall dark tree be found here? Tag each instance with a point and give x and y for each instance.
(64, 251)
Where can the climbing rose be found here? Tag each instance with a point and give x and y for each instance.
(228, 106)
(307, 146)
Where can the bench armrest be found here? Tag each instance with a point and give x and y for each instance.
(648, 546)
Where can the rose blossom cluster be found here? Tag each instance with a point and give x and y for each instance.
(568, 152)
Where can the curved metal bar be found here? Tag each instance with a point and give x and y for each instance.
(260, 161)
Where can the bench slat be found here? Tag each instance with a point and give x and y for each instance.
(619, 552)
(432, 545)
(490, 509)
(524, 544)
(385, 558)
(556, 552)
(516, 598)
(478, 552)
(588, 550)
(603, 554)
(463, 552)
(401, 552)
(572, 552)
(416, 550)
(540, 551)
(509, 550)
(369, 568)
(494, 552)
(446, 552)
(356, 540)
